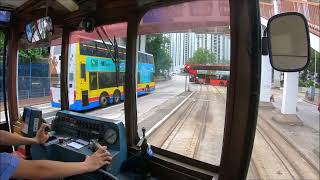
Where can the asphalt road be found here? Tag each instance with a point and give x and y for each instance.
(307, 112)
(164, 90)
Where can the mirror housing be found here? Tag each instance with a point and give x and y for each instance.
(288, 42)
(88, 24)
(39, 29)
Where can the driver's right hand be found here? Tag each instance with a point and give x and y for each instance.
(98, 159)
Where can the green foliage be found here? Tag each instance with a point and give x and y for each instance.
(1, 40)
(32, 55)
(309, 71)
(306, 83)
(203, 56)
(156, 45)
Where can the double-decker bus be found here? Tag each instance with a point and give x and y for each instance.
(216, 75)
(92, 77)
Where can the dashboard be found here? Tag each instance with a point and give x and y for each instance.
(71, 140)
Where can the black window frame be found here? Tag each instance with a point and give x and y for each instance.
(91, 85)
(106, 79)
(83, 71)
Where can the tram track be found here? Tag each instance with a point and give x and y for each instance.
(186, 128)
(162, 133)
(202, 128)
(189, 146)
(296, 164)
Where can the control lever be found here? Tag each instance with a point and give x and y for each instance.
(140, 161)
(94, 146)
(145, 148)
(47, 129)
(143, 141)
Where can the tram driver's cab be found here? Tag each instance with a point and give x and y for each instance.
(75, 135)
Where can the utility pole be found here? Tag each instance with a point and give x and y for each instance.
(315, 68)
(185, 84)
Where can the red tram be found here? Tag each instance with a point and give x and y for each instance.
(217, 75)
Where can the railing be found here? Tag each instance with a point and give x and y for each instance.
(26, 94)
(32, 87)
(266, 10)
(311, 10)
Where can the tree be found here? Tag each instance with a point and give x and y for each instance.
(203, 56)
(27, 55)
(307, 75)
(1, 40)
(32, 55)
(156, 45)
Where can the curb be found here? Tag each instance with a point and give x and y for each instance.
(310, 102)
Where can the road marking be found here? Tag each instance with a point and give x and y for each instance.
(167, 116)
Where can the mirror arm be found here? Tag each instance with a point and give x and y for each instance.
(265, 32)
(264, 43)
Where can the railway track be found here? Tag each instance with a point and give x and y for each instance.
(284, 161)
(190, 129)
(184, 131)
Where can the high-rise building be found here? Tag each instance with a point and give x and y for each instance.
(183, 45)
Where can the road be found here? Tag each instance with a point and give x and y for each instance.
(307, 112)
(164, 90)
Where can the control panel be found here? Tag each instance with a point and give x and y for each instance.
(72, 135)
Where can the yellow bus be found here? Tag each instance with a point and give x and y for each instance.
(92, 75)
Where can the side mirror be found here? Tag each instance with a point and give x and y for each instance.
(288, 42)
(39, 29)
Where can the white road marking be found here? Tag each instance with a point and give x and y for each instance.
(167, 116)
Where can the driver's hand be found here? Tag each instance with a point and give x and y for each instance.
(98, 159)
(42, 136)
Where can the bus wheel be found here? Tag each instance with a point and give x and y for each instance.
(116, 97)
(221, 83)
(104, 99)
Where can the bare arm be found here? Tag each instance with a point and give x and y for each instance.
(7, 138)
(42, 169)
(48, 169)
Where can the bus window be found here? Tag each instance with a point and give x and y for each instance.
(93, 83)
(106, 80)
(83, 71)
(143, 58)
(139, 57)
(122, 53)
(183, 115)
(88, 48)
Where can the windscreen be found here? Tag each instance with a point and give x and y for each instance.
(286, 144)
(96, 71)
(182, 78)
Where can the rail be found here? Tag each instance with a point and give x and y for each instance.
(311, 10)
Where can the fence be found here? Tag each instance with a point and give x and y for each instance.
(32, 87)
(266, 10)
